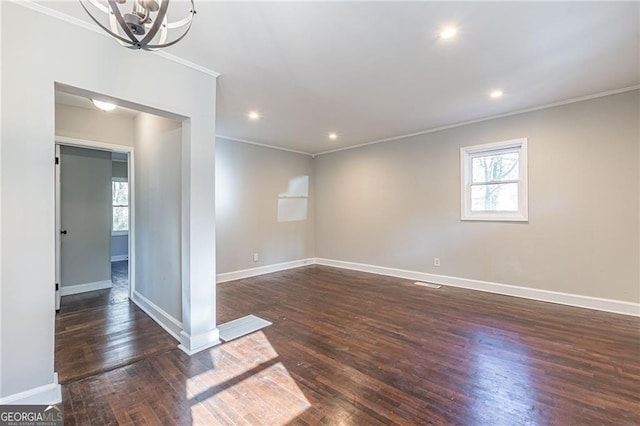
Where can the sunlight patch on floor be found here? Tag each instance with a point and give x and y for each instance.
(246, 384)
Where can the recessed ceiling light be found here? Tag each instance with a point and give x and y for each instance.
(254, 115)
(333, 136)
(105, 106)
(496, 94)
(448, 32)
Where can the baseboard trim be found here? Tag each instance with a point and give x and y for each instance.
(83, 288)
(608, 305)
(197, 343)
(119, 257)
(164, 320)
(47, 394)
(261, 270)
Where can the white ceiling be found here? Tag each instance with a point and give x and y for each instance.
(80, 102)
(376, 70)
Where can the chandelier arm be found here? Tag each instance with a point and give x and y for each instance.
(180, 23)
(107, 30)
(184, 21)
(113, 24)
(114, 8)
(156, 24)
(160, 46)
(115, 16)
(163, 31)
(114, 28)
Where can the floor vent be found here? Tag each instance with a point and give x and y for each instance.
(241, 327)
(427, 284)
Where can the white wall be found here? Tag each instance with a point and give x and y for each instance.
(397, 204)
(50, 51)
(94, 125)
(157, 207)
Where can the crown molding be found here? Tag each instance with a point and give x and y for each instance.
(38, 7)
(264, 145)
(480, 120)
(437, 129)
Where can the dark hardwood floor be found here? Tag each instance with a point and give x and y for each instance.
(101, 330)
(353, 348)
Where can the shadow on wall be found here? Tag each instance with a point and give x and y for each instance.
(292, 204)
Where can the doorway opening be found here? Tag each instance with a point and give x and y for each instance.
(99, 325)
(92, 218)
(120, 227)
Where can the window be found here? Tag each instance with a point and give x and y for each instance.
(494, 181)
(120, 203)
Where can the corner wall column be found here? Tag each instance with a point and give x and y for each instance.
(198, 240)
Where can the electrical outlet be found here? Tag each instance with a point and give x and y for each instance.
(436, 261)
(256, 257)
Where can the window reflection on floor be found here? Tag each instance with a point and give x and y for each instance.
(501, 379)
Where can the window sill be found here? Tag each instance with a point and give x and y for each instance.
(495, 218)
(119, 233)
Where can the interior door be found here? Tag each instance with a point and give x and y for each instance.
(83, 220)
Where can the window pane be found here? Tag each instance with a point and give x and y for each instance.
(121, 218)
(500, 197)
(495, 167)
(120, 192)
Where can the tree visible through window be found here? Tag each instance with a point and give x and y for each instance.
(120, 201)
(494, 181)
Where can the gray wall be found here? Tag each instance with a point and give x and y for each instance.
(157, 211)
(94, 125)
(397, 204)
(119, 243)
(119, 247)
(249, 180)
(119, 169)
(85, 202)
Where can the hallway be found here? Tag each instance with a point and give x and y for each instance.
(101, 330)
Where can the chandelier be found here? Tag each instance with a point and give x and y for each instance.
(145, 26)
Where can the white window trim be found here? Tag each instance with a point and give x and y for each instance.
(466, 154)
(120, 233)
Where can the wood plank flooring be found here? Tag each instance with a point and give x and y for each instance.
(101, 330)
(353, 348)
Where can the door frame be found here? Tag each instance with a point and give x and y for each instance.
(101, 146)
